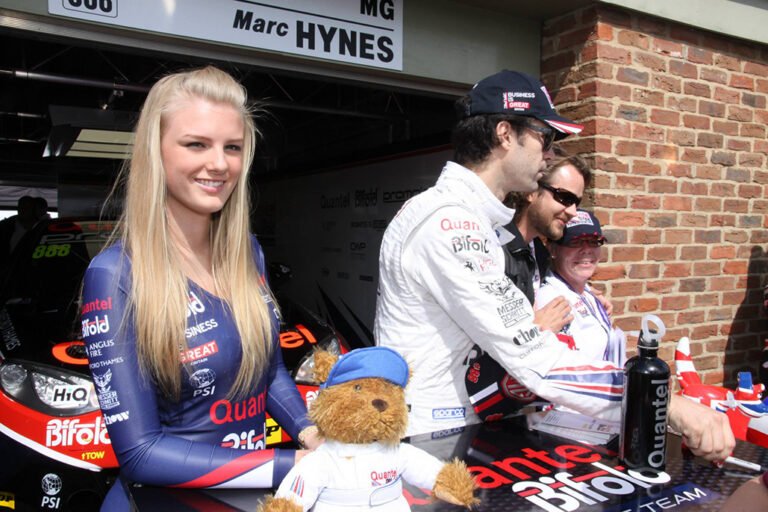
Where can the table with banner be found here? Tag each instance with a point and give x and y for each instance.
(522, 469)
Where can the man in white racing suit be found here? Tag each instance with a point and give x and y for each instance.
(442, 285)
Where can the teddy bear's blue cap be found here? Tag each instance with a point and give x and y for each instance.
(366, 363)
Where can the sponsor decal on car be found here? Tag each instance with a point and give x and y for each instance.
(70, 395)
(51, 484)
(73, 433)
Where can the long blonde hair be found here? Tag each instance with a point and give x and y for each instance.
(160, 291)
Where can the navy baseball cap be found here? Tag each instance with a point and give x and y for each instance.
(513, 92)
(371, 362)
(584, 224)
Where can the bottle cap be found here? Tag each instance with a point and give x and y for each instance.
(649, 337)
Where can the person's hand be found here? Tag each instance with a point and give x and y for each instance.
(553, 316)
(607, 305)
(705, 431)
(310, 438)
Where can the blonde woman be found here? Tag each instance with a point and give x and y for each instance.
(179, 324)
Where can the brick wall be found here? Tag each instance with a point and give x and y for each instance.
(675, 125)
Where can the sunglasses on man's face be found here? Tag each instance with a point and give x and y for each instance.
(547, 132)
(576, 243)
(562, 196)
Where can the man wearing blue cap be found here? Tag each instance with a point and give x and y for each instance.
(442, 286)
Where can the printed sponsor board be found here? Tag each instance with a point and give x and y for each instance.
(361, 32)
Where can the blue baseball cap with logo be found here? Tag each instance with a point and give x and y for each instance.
(371, 362)
(516, 93)
(584, 224)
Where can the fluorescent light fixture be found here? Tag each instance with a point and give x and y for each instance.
(89, 133)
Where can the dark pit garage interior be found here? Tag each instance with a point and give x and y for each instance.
(50, 88)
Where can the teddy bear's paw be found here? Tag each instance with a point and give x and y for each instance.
(273, 504)
(456, 485)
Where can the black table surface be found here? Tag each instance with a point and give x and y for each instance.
(519, 469)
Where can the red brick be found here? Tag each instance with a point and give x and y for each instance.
(722, 252)
(707, 204)
(723, 220)
(677, 269)
(626, 289)
(627, 254)
(632, 76)
(727, 62)
(709, 172)
(725, 127)
(629, 148)
(710, 140)
(640, 202)
(665, 117)
(661, 186)
(643, 305)
(675, 302)
(693, 221)
(713, 75)
(750, 191)
(645, 168)
(706, 268)
(677, 203)
(632, 113)
(660, 287)
(609, 272)
(667, 47)
(697, 89)
(667, 152)
(753, 100)
(645, 236)
(699, 56)
(630, 183)
(679, 170)
(726, 95)
(752, 130)
(735, 267)
(612, 127)
(739, 114)
(742, 82)
(662, 253)
(652, 133)
(723, 189)
(632, 38)
(682, 103)
(754, 68)
(662, 220)
(751, 159)
(736, 205)
(683, 69)
(682, 137)
(611, 164)
(610, 200)
(694, 188)
(761, 85)
(712, 109)
(707, 236)
(737, 145)
(694, 155)
(649, 97)
(650, 61)
(690, 317)
(678, 236)
(696, 122)
(608, 90)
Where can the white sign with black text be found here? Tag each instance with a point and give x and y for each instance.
(364, 32)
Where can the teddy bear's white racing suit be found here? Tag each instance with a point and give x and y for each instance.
(358, 477)
(442, 288)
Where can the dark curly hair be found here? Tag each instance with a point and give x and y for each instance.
(474, 137)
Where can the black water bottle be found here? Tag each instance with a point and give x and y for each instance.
(645, 403)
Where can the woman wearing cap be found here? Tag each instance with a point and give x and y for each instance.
(574, 261)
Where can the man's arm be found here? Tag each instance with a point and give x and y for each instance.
(706, 432)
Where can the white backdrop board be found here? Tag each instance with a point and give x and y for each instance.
(328, 227)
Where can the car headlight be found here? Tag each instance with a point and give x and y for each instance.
(305, 372)
(47, 389)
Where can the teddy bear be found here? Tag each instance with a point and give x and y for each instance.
(360, 410)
